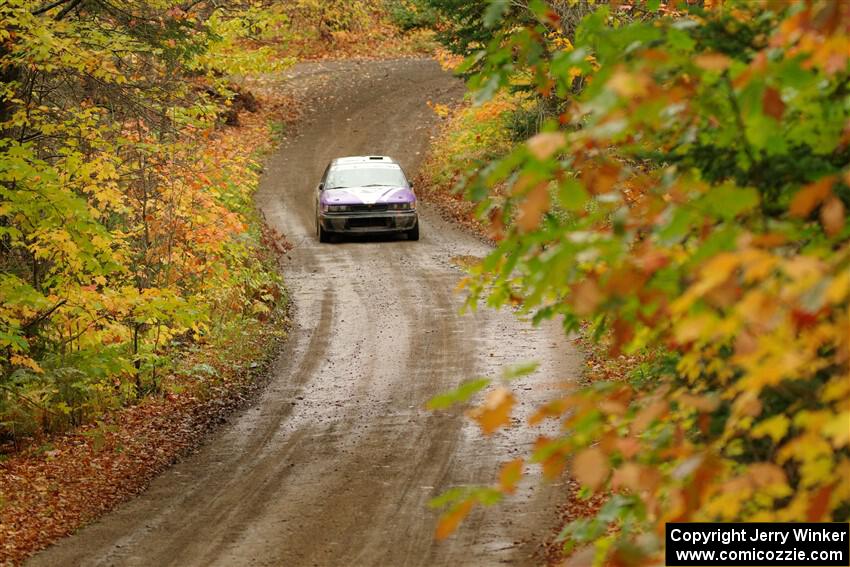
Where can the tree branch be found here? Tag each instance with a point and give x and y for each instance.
(48, 7)
(68, 9)
(44, 315)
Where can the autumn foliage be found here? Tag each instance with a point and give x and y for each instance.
(686, 201)
(127, 228)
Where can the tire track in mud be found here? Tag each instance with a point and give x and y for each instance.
(336, 462)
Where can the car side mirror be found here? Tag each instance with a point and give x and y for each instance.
(410, 184)
(321, 186)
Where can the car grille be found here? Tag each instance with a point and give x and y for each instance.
(375, 208)
(368, 221)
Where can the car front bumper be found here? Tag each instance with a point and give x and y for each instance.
(384, 221)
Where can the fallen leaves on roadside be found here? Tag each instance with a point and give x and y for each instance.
(59, 483)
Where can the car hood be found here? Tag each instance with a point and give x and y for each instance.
(367, 195)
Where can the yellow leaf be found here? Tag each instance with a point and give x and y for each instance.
(702, 403)
(774, 427)
(839, 288)
(838, 429)
(816, 471)
(695, 327)
(25, 361)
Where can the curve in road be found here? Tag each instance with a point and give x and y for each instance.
(336, 462)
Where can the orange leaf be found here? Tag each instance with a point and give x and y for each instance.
(649, 414)
(712, 62)
(495, 412)
(451, 520)
(629, 85)
(628, 446)
(771, 103)
(627, 476)
(650, 261)
(510, 475)
(635, 477)
(819, 504)
(586, 296)
(554, 408)
(810, 196)
(546, 144)
(590, 467)
(496, 226)
(553, 466)
(832, 216)
(21, 360)
(535, 204)
(624, 332)
(582, 557)
(600, 179)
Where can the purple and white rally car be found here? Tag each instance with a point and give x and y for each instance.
(365, 194)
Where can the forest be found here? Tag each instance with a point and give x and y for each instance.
(668, 181)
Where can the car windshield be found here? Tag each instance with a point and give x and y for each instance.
(365, 177)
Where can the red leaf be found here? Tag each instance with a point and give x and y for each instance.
(771, 103)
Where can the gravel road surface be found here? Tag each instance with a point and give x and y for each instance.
(336, 460)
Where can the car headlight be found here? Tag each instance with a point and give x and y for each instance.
(338, 208)
(400, 206)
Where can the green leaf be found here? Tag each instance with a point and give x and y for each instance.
(459, 395)
(572, 195)
(728, 201)
(495, 12)
(519, 370)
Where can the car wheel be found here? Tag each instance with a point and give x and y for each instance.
(324, 236)
(413, 233)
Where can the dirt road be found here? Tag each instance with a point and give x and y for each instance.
(337, 459)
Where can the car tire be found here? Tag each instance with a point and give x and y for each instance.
(413, 233)
(324, 236)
